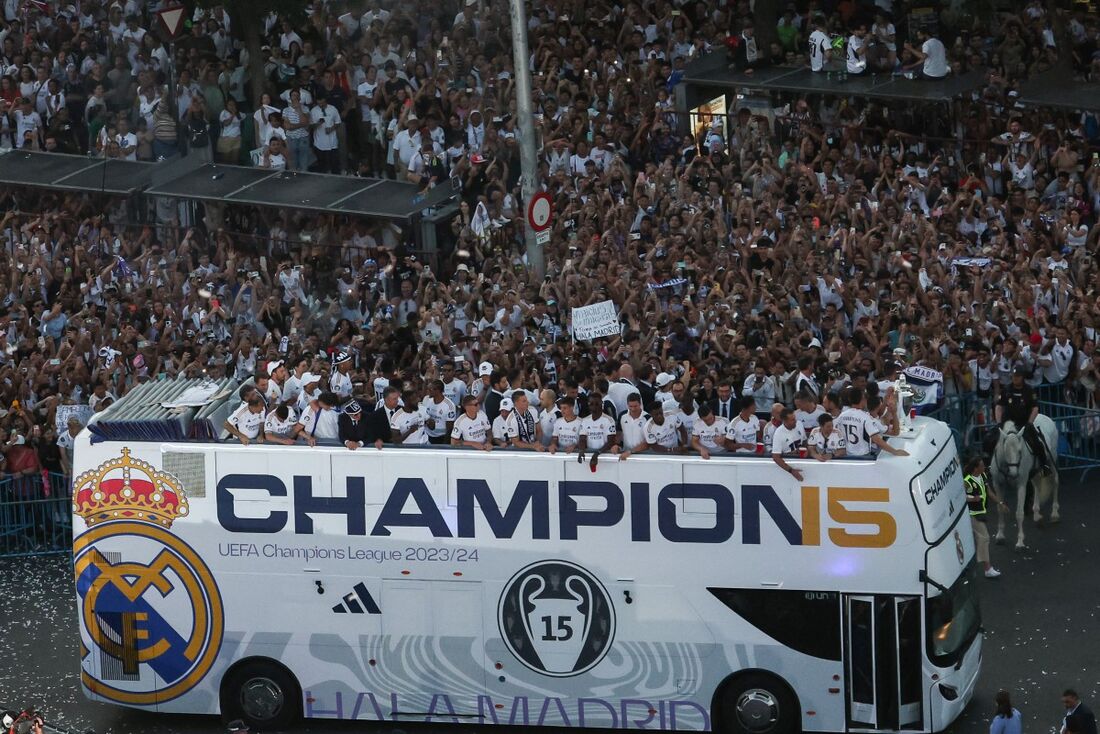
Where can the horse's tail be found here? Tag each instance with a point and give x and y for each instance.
(1044, 485)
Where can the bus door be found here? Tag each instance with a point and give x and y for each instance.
(882, 661)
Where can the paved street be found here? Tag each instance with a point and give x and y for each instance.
(1041, 621)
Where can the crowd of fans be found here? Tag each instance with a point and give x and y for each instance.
(799, 259)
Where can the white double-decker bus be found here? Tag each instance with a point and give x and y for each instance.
(448, 585)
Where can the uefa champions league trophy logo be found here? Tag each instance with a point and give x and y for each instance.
(557, 627)
(556, 618)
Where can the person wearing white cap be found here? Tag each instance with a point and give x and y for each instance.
(276, 374)
(480, 387)
(311, 390)
(664, 391)
(467, 16)
(500, 423)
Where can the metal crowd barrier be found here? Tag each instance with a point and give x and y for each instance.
(972, 418)
(35, 514)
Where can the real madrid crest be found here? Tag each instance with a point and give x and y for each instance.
(151, 617)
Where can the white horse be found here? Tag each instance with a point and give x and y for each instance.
(1011, 468)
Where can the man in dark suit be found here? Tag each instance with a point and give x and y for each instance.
(353, 429)
(725, 405)
(498, 383)
(1079, 717)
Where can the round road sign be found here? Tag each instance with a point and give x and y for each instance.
(538, 211)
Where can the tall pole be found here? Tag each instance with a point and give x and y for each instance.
(527, 157)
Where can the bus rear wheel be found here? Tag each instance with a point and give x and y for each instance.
(758, 704)
(263, 694)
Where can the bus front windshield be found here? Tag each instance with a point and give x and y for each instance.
(954, 618)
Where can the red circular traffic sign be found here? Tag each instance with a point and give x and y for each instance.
(539, 211)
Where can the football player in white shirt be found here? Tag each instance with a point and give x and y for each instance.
(524, 431)
(500, 423)
(439, 413)
(311, 390)
(787, 440)
(859, 428)
(408, 423)
(276, 377)
(548, 413)
(807, 410)
(279, 426)
(567, 429)
(632, 423)
(744, 430)
(454, 389)
(340, 381)
(472, 428)
(320, 421)
(662, 435)
(771, 425)
(821, 48)
(292, 388)
(708, 435)
(598, 431)
(247, 421)
(825, 441)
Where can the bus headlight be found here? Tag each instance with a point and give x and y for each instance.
(949, 693)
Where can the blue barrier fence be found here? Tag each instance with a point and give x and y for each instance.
(35, 514)
(971, 418)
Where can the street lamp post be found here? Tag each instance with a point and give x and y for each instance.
(526, 124)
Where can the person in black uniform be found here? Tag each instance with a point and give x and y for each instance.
(1018, 404)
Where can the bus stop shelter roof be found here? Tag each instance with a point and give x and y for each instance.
(368, 197)
(713, 71)
(187, 178)
(1057, 89)
(74, 172)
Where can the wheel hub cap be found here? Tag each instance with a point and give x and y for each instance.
(757, 710)
(261, 699)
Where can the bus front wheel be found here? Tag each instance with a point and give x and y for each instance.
(757, 703)
(262, 693)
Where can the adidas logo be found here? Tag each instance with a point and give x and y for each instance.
(359, 601)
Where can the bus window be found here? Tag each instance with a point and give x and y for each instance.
(954, 618)
(806, 621)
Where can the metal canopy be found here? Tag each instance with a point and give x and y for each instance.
(1057, 89)
(73, 172)
(368, 197)
(713, 72)
(186, 178)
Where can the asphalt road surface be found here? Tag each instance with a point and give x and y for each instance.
(1041, 620)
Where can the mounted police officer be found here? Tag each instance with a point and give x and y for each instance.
(978, 494)
(1018, 404)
